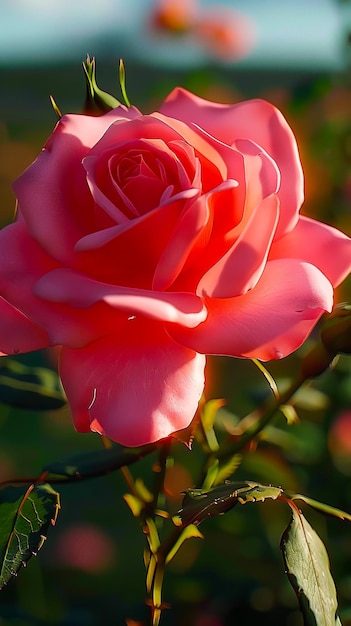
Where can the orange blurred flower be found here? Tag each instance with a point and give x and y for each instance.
(225, 32)
(221, 30)
(174, 16)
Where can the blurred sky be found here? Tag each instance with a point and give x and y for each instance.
(300, 34)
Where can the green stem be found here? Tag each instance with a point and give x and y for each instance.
(128, 479)
(160, 473)
(157, 594)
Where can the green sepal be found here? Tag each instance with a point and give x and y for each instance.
(55, 107)
(122, 82)
(97, 100)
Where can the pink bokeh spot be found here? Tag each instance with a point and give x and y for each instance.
(340, 435)
(87, 548)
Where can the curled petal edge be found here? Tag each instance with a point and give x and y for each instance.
(69, 287)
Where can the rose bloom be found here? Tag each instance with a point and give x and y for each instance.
(143, 243)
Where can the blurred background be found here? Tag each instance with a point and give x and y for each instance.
(296, 55)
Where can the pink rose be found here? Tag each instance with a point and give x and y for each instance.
(142, 243)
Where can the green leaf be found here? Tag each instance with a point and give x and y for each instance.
(307, 567)
(25, 517)
(98, 462)
(199, 504)
(255, 492)
(34, 388)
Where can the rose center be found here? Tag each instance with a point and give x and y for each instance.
(133, 166)
(141, 179)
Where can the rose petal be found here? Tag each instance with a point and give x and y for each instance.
(258, 121)
(126, 193)
(189, 228)
(66, 286)
(143, 127)
(112, 210)
(219, 161)
(128, 254)
(17, 332)
(222, 228)
(241, 267)
(317, 243)
(262, 176)
(268, 322)
(135, 388)
(55, 200)
(22, 263)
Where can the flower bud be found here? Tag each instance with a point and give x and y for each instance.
(96, 100)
